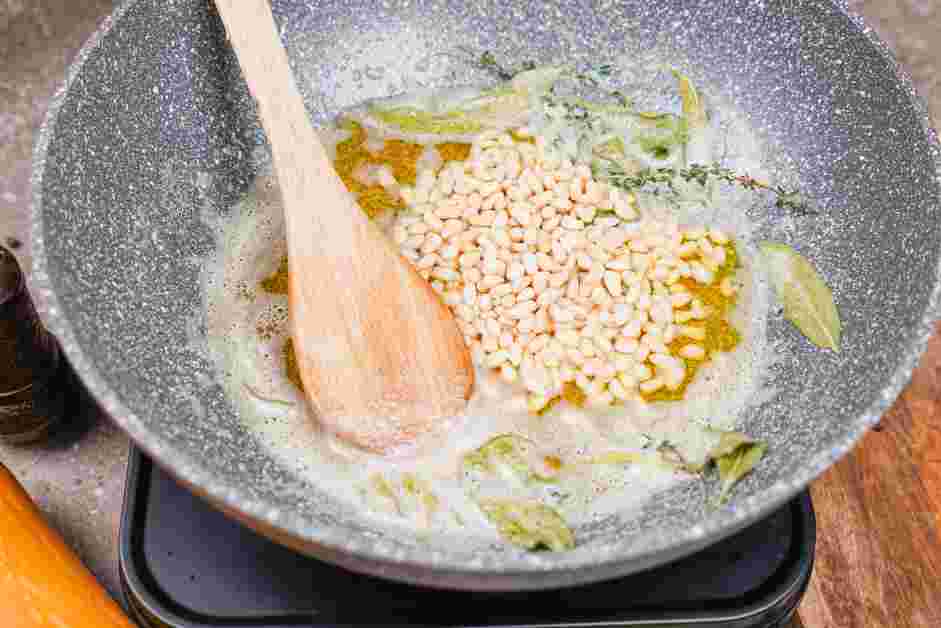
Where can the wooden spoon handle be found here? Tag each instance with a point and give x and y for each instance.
(304, 170)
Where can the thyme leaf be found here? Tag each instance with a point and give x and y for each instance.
(786, 199)
(488, 61)
(593, 75)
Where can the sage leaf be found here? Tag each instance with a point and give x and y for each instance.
(806, 299)
(415, 120)
(421, 491)
(728, 443)
(693, 110)
(380, 496)
(736, 464)
(528, 524)
(507, 457)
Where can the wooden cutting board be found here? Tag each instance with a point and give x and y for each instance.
(879, 519)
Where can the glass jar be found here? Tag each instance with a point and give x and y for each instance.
(30, 402)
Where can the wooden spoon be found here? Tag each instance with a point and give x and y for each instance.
(380, 355)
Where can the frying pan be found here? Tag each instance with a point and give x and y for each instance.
(154, 131)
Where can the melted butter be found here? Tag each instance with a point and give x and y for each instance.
(277, 282)
(454, 151)
(375, 200)
(291, 371)
(403, 156)
(573, 394)
(353, 152)
(250, 342)
(721, 335)
(400, 155)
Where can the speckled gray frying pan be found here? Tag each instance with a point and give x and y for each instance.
(153, 130)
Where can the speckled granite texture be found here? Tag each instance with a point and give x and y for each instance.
(77, 478)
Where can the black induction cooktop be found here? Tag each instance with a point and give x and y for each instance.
(185, 565)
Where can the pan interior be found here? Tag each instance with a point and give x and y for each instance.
(156, 135)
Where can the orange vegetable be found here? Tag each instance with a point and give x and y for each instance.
(43, 584)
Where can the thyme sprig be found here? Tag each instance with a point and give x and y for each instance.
(488, 61)
(593, 75)
(786, 199)
(576, 112)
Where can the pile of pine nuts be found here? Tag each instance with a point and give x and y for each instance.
(553, 278)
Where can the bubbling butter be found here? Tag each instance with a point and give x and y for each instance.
(424, 488)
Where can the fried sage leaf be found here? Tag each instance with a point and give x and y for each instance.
(728, 443)
(507, 456)
(735, 456)
(420, 490)
(667, 134)
(381, 496)
(407, 495)
(528, 524)
(693, 110)
(807, 301)
(412, 119)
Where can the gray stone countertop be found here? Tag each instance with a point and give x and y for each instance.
(77, 477)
